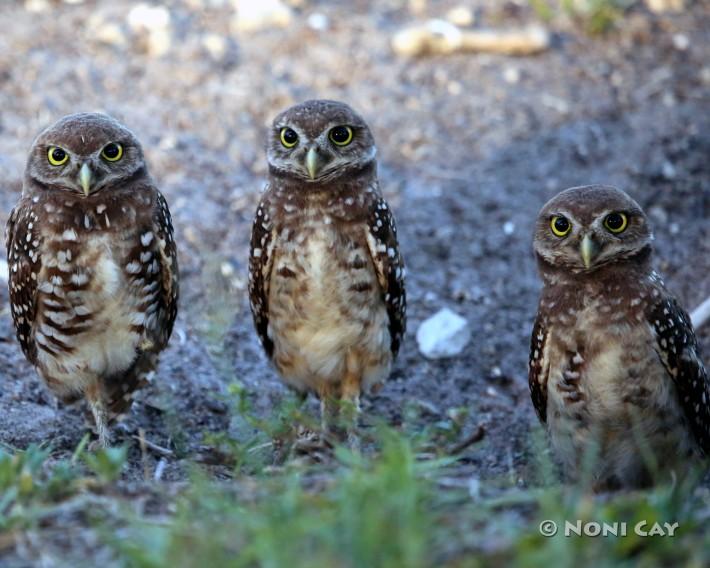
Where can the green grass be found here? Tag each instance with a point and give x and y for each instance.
(595, 17)
(403, 504)
(365, 513)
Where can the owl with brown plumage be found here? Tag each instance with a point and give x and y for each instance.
(93, 266)
(326, 278)
(615, 371)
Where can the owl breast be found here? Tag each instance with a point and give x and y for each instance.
(89, 318)
(607, 386)
(327, 314)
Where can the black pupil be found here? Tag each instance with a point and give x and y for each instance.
(614, 221)
(561, 224)
(58, 154)
(340, 134)
(290, 136)
(111, 151)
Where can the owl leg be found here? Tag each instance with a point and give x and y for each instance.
(100, 414)
(350, 409)
(327, 393)
(316, 445)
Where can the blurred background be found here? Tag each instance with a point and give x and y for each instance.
(482, 110)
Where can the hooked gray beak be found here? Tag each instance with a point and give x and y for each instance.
(589, 250)
(85, 178)
(313, 162)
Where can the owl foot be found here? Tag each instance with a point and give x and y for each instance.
(101, 417)
(311, 445)
(353, 440)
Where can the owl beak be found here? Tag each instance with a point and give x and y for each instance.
(85, 178)
(588, 250)
(312, 162)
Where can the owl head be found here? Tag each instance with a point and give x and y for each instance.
(584, 228)
(318, 141)
(83, 153)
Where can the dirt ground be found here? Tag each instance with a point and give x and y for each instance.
(470, 147)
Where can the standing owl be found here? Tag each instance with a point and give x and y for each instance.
(93, 267)
(326, 278)
(615, 371)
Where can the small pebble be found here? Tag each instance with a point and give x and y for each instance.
(317, 21)
(668, 170)
(681, 42)
(254, 16)
(460, 16)
(511, 75)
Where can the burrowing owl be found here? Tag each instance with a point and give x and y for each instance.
(615, 371)
(93, 267)
(326, 279)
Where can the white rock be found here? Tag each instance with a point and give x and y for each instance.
(460, 16)
(106, 32)
(668, 170)
(254, 15)
(227, 269)
(145, 16)
(660, 6)
(318, 22)
(215, 44)
(445, 334)
(438, 36)
(37, 6)
(154, 22)
(511, 75)
(681, 42)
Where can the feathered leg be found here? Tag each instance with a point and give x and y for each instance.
(350, 408)
(100, 413)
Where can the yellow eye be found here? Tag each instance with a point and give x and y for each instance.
(560, 225)
(341, 135)
(616, 222)
(57, 156)
(289, 138)
(112, 152)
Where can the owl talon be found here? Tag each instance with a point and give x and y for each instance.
(353, 441)
(99, 444)
(312, 445)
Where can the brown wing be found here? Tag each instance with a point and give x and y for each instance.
(23, 242)
(152, 271)
(384, 251)
(538, 368)
(677, 348)
(260, 263)
(165, 272)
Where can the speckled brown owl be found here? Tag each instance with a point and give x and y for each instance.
(326, 279)
(93, 267)
(615, 371)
